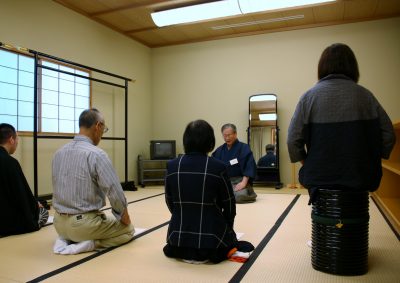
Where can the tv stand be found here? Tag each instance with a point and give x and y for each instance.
(151, 170)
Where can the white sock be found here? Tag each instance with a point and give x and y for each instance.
(241, 254)
(60, 245)
(81, 247)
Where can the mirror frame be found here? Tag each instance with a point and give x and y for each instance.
(269, 176)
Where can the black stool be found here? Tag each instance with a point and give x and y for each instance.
(340, 221)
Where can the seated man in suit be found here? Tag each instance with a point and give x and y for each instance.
(21, 212)
(239, 158)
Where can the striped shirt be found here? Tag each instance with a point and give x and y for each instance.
(82, 177)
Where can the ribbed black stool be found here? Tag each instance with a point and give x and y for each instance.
(340, 221)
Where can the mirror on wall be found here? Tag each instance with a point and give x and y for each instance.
(263, 138)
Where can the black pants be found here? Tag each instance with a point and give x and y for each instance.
(213, 255)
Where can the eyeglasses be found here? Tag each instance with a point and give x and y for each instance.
(227, 135)
(105, 129)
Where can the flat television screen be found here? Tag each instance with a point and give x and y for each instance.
(162, 149)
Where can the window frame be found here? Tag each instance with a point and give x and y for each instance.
(39, 75)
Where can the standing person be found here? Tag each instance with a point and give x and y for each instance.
(82, 178)
(269, 159)
(241, 165)
(339, 131)
(201, 201)
(21, 212)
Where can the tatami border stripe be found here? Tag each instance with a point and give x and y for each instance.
(97, 254)
(257, 251)
(137, 200)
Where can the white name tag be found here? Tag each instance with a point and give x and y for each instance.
(234, 161)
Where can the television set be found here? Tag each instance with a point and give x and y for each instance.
(162, 149)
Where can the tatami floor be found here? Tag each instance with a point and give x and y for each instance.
(278, 224)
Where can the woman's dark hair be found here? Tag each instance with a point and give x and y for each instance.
(6, 131)
(338, 58)
(198, 137)
(88, 118)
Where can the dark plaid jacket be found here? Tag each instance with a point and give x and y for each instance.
(200, 197)
(341, 132)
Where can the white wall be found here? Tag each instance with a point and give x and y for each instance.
(213, 80)
(48, 27)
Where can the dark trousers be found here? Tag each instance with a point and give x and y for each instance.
(213, 255)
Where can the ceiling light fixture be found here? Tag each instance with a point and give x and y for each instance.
(196, 13)
(224, 8)
(267, 117)
(252, 6)
(273, 20)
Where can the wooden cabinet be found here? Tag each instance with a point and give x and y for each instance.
(151, 171)
(387, 196)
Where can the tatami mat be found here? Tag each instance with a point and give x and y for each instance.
(285, 258)
(143, 260)
(27, 256)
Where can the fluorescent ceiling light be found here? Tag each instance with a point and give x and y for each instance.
(224, 8)
(196, 13)
(262, 97)
(252, 23)
(252, 6)
(267, 117)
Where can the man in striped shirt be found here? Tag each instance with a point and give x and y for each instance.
(82, 178)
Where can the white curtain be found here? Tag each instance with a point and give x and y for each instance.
(259, 138)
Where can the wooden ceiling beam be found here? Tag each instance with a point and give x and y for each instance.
(148, 4)
(132, 31)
